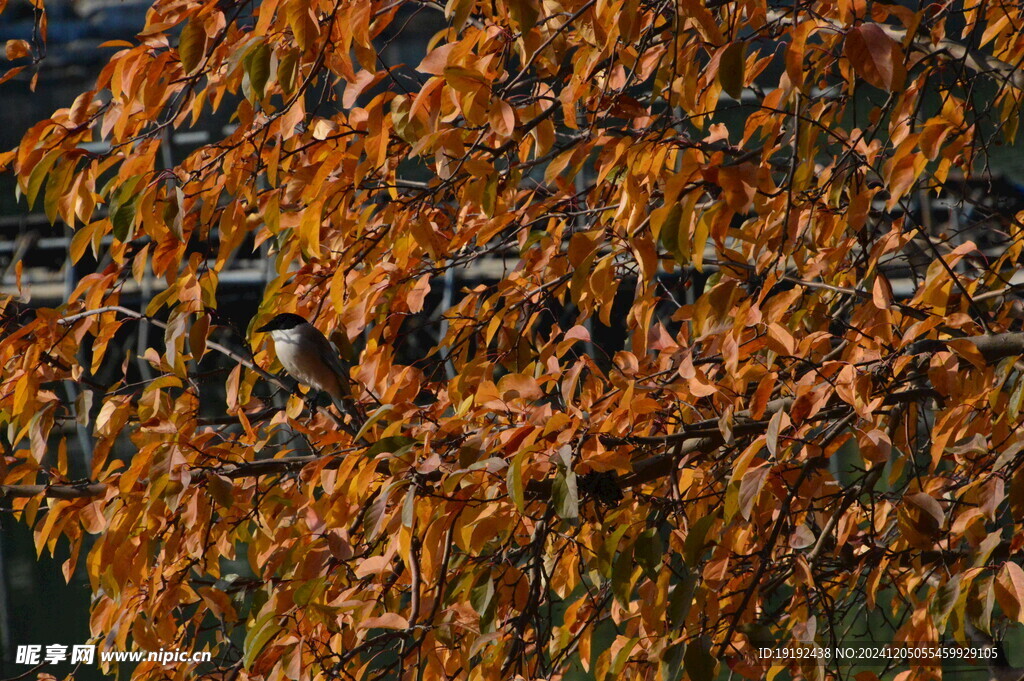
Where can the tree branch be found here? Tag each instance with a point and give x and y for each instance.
(224, 350)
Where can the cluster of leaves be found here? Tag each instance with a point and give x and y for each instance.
(609, 151)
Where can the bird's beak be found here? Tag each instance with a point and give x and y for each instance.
(264, 328)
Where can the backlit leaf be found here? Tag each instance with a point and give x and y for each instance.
(192, 45)
(870, 51)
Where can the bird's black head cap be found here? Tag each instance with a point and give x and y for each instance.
(282, 322)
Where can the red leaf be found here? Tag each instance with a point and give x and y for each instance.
(870, 51)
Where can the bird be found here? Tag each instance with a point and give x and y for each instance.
(309, 357)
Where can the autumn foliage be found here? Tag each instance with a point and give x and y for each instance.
(690, 412)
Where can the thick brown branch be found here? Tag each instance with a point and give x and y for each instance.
(95, 489)
(993, 348)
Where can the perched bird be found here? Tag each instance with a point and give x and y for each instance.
(309, 357)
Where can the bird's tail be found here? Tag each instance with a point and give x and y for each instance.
(344, 403)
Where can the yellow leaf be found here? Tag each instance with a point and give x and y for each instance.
(309, 230)
(700, 240)
(458, 11)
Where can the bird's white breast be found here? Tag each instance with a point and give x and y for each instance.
(299, 351)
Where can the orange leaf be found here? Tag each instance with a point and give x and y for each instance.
(16, 49)
(502, 118)
(364, 79)
(11, 73)
(435, 62)
(739, 184)
(881, 292)
(92, 517)
(968, 350)
(388, 620)
(512, 386)
(750, 487)
(1009, 590)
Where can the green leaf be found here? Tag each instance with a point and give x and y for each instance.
(670, 231)
(38, 174)
(1013, 407)
(535, 236)
(481, 597)
(524, 13)
(648, 552)
(392, 445)
(55, 184)
(566, 498)
(257, 67)
(409, 507)
(672, 662)
(221, 489)
(286, 70)
(263, 629)
(122, 208)
(514, 480)
(606, 551)
(622, 577)
(123, 218)
(693, 546)
(377, 415)
(1013, 645)
(760, 635)
(490, 195)
(945, 599)
(700, 237)
(622, 657)
(192, 46)
(730, 69)
(698, 662)
(309, 592)
(680, 598)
